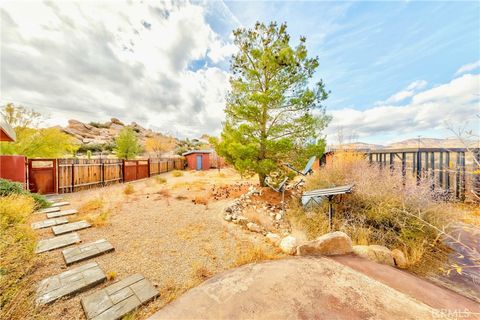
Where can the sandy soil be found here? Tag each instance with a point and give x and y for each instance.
(160, 232)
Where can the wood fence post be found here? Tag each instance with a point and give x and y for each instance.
(457, 176)
(73, 175)
(432, 165)
(440, 169)
(447, 172)
(462, 176)
(123, 170)
(148, 162)
(102, 166)
(419, 166)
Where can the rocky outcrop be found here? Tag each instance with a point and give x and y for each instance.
(375, 253)
(333, 243)
(105, 133)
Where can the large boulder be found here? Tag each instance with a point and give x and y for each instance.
(333, 243)
(399, 259)
(375, 253)
(288, 244)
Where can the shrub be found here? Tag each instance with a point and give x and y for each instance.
(383, 209)
(18, 260)
(99, 125)
(8, 187)
(128, 189)
(177, 173)
(92, 205)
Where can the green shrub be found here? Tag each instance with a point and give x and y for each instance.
(8, 187)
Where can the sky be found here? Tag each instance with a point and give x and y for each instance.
(396, 69)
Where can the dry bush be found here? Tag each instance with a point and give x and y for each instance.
(92, 205)
(128, 189)
(160, 180)
(201, 200)
(111, 275)
(99, 220)
(383, 209)
(17, 258)
(250, 253)
(177, 173)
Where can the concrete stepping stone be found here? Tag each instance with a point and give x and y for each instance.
(69, 282)
(69, 227)
(61, 213)
(115, 301)
(49, 223)
(57, 242)
(86, 251)
(60, 204)
(50, 209)
(53, 197)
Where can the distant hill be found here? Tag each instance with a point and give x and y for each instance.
(414, 143)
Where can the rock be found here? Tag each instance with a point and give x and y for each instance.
(278, 217)
(288, 244)
(116, 121)
(399, 259)
(375, 253)
(333, 243)
(229, 209)
(242, 220)
(254, 227)
(273, 238)
(228, 217)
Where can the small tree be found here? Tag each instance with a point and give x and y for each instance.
(32, 142)
(159, 144)
(127, 144)
(272, 114)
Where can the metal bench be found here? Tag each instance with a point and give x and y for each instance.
(318, 196)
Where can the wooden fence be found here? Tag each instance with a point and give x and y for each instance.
(79, 174)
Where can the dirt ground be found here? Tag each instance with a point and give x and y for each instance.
(172, 232)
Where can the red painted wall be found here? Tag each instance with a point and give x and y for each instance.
(13, 168)
(192, 161)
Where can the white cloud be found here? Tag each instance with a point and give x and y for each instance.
(455, 102)
(408, 92)
(92, 61)
(468, 67)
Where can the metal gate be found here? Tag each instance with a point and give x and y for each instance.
(42, 175)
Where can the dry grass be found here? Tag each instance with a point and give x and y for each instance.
(17, 258)
(92, 205)
(111, 275)
(384, 209)
(251, 253)
(201, 200)
(190, 231)
(258, 217)
(99, 220)
(177, 173)
(160, 180)
(128, 189)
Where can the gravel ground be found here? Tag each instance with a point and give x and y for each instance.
(172, 241)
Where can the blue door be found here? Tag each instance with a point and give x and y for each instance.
(199, 162)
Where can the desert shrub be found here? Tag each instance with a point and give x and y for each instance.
(252, 253)
(383, 209)
(99, 125)
(128, 189)
(17, 257)
(177, 173)
(160, 180)
(8, 187)
(92, 205)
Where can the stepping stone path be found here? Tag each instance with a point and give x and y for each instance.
(61, 213)
(49, 223)
(57, 242)
(114, 301)
(70, 282)
(48, 210)
(59, 204)
(69, 227)
(86, 251)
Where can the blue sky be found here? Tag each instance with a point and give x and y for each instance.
(395, 69)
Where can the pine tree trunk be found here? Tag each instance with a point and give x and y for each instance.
(261, 179)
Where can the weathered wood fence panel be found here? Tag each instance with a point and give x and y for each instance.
(79, 174)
